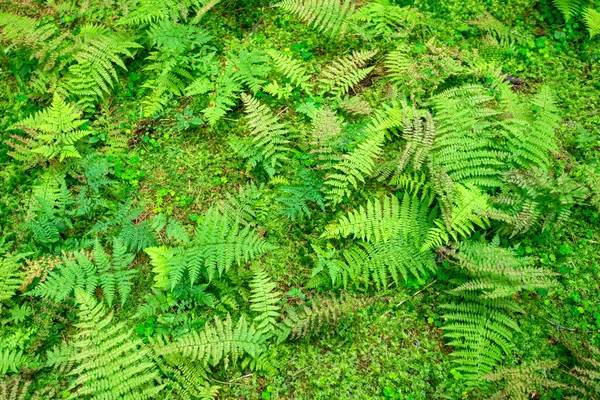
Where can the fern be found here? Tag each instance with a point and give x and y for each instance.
(51, 133)
(269, 136)
(392, 232)
(221, 342)
(592, 21)
(264, 301)
(292, 69)
(86, 271)
(110, 361)
(498, 273)
(326, 138)
(217, 244)
(353, 168)
(185, 380)
(312, 318)
(380, 18)
(568, 8)
(11, 360)
(468, 212)
(524, 381)
(326, 16)
(11, 388)
(479, 332)
(345, 73)
(11, 276)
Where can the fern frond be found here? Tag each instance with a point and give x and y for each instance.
(292, 69)
(524, 381)
(353, 168)
(217, 244)
(11, 276)
(264, 301)
(568, 8)
(327, 16)
(219, 342)
(592, 21)
(52, 133)
(311, 319)
(345, 73)
(112, 362)
(11, 360)
(480, 334)
(269, 136)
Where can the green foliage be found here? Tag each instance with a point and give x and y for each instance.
(218, 243)
(85, 271)
(524, 380)
(268, 145)
(109, 361)
(51, 133)
(326, 16)
(11, 276)
(345, 73)
(592, 20)
(222, 342)
(292, 69)
(264, 301)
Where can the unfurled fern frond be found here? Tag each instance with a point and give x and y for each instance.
(345, 73)
(568, 8)
(480, 332)
(24, 30)
(531, 136)
(185, 380)
(51, 133)
(419, 133)
(12, 389)
(326, 138)
(586, 372)
(11, 360)
(535, 196)
(398, 64)
(111, 362)
(218, 244)
(11, 276)
(469, 211)
(310, 319)
(392, 232)
(94, 74)
(592, 21)
(353, 168)
(85, 272)
(148, 11)
(251, 68)
(524, 381)
(222, 341)
(398, 258)
(496, 272)
(292, 69)
(380, 18)
(269, 136)
(464, 146)
(327, 16)
(264, 301)
(356, 105)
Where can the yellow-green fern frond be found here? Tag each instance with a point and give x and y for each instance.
(327, 16)
(345, 73)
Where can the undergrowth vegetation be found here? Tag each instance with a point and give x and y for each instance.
(391, 199)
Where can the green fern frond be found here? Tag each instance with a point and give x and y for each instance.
(217, 244)
(185, 380)
(524, 381)
(592, 21)
(496, 272)
(353, 168)
(327, 16)
(219, 342)
(468, 212)
(345, 73)
(311, 319)
(11, 276)
(111, 361)
(52, 133)
(12, 389)
(264, 301)
(292, 70)
(269, 136)
(568, 8)
(480, 334)
(84, 272)
(11, 360)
